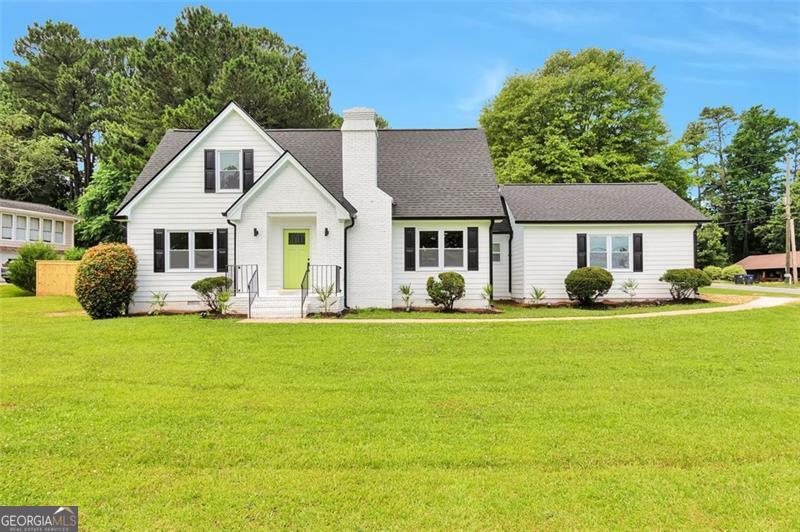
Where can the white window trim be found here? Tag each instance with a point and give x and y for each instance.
(38, 229)
(499, 252)
(609, 251)
(63, 232)
(191, 268)
(44, 221)
(218, 169)
(441, 267)
(13, 226)
(16, 225)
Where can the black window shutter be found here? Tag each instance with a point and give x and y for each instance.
(472, 249)
(247, 170)
(211, 174)
(158, 250)
(410, 252)
(638, 263)
(581, 250)
(222, 250)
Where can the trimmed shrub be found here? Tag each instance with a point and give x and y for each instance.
(22, 270)
(734, 269)
(106, 280)
(74, 254)
(447, 290)
(585, 285)
(685, 282)
(713, 272)
(211, 290)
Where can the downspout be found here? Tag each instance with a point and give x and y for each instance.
(235, 276)
(510, 238)
(346, 284)
(491, 249)
(694, 239)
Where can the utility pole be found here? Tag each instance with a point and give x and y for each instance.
(791, 251)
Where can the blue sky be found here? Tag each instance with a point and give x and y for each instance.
(436, 64)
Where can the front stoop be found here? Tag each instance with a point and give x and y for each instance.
(272, 305)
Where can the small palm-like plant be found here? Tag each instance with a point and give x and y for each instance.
(537, 294)
(630, 286)
(488, 294)
(157, 303)
(224, 302)
(406, 293)
(325, 295)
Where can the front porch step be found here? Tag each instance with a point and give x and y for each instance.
(272, 305)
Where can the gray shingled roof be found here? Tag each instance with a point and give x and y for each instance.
(34, 207)
(428, 173)
(173, 141)
(613, 202)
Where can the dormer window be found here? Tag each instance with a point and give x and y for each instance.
(229, 170)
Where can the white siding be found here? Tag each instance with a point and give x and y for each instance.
(518, 282)
(288, 201)
(551, 253)
(179, 202)
(474, 280)
(500, 269)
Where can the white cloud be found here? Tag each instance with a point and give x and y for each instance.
(490, 83)
(715, 81)
(560, 18)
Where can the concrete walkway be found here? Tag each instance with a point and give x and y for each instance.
(756, 288)
(762, 302)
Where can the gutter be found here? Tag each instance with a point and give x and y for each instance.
(694, 242)
(346, 284)
(235, 276)
(510, 238)
(491, 262)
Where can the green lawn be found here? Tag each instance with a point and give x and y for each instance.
(176, 422)
(516, 311)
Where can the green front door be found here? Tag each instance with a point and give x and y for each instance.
(295, 256)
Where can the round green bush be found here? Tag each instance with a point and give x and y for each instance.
(447, 290)
(585, 285)
(684, 283)
(211, 290)
(106, 280)
(714, 272)
(734, 269)
(22, 270)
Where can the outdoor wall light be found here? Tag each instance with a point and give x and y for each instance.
(326, 231)
(255, 231)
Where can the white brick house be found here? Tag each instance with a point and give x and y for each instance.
(364, 210)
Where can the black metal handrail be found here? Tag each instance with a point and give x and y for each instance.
(324, 275)
(304, 290)
(252, 291)
(240, 275)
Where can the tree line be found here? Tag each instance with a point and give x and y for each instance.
(79, 117)
(595, 117)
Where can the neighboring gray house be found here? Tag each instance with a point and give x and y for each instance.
(368, 210)
(24, 222)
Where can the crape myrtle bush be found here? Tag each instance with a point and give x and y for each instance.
(585, 285)
(444, 292)
(106, 280)
(685, 282)
(210, 290)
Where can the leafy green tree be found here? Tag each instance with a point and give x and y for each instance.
(710, 246)
(693, 143)
(60, 83)
(772, 233)
(755, 176)
(590, 117)
(33, 167)
(99, 203)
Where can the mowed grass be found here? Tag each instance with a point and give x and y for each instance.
(711, 290)
(507, 310)
(180, 423)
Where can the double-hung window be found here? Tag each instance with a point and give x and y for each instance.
(59, 232)
(229, 170)
(33, 233)
(454, 249)
(8, 227)
(441, 248)
(429, 249)
(612, 252)
(191, 250)
(22, 226)
(496, 255)
(47, 230)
